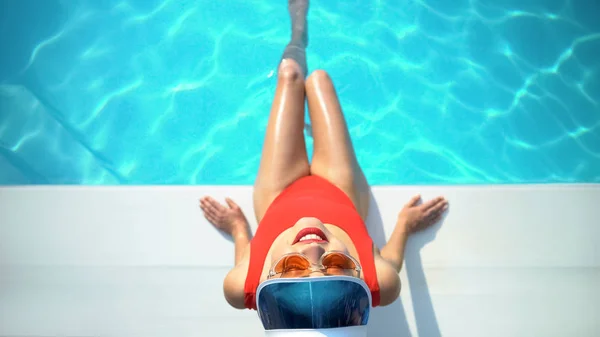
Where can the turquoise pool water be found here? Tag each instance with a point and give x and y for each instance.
(178, 92)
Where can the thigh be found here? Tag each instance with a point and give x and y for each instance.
(333, 155)
(283, 158)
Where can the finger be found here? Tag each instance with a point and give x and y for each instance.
(207, 208)
(212, 206)
(413, 201)
(211, 219)
(431, 203)
(206, 198)
(435, 219)
(231, 203)
(212, 216)
(215, 204)
(430, 221)
(437, 208)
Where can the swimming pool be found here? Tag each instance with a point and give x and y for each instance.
(178, 92)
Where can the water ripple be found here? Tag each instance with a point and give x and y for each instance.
(178, 92)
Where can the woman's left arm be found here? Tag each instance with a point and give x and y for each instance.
(413, 218)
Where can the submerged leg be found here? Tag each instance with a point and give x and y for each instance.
(296, 48)
(284, 158)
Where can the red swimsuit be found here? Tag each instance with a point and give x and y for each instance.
(310, 196)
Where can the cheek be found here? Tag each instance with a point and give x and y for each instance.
(338, 245)
(280, 248)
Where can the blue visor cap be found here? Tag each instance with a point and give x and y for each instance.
(313, 302)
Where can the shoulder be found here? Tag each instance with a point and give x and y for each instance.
(388, 279)
(235, 281)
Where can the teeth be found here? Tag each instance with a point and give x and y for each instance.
(311, 237)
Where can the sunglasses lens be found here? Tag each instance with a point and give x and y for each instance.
(293, 266)
(339, 264)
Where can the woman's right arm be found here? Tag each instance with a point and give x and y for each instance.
(231, 220)
(233, 285)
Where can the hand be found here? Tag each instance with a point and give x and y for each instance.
(414, 217)
(229, 219)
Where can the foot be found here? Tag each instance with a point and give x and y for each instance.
(230, 219)
(298, 7)
(298, 10)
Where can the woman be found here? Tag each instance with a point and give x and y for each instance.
(311, 216)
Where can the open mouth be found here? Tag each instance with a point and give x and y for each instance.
(310, 235)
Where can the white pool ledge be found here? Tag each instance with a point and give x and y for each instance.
(517, 260)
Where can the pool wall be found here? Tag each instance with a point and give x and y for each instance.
(518, 260)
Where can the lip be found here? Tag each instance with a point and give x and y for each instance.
(310, 230)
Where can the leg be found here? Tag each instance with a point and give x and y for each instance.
(296, 48)
(284, 158)
(333, 156)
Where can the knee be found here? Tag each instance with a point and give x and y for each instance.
(319, 76)
(290, 71)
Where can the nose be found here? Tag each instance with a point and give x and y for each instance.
(313, 252)
(309, 222)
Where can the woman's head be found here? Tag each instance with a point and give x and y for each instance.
(313, 303)
(310, 249)
(295, 295)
